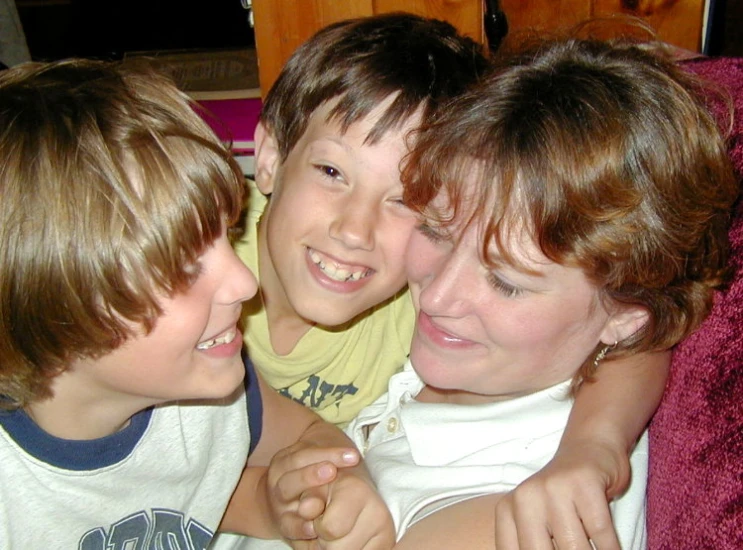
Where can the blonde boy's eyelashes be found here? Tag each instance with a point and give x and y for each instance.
(402, 207)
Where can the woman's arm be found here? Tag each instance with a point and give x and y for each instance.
(568, 499)
(468, 524)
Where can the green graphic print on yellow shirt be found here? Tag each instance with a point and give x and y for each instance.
(334, 372)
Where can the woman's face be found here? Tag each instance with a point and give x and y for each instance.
(484, 334)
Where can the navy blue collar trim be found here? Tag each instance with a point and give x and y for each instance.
(72, 454)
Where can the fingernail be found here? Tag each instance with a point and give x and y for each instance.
(309, 529)
(325, 471)
(350, 457)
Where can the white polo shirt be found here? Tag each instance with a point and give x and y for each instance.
(425, 456)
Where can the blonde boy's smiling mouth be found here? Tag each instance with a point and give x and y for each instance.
(225, 338)
(335, 270)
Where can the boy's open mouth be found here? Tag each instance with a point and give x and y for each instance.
(226, 338)
(338, 272)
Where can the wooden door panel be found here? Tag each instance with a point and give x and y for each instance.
(331, 11)
(523, 15)
(678, 22)
(466, 15)
(282, 25)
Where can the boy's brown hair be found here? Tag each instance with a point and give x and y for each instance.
(112, 186)
(606, 154)
(360, 62)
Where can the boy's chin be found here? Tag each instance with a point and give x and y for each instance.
(337, 318)
(337, 311)
(225, 384)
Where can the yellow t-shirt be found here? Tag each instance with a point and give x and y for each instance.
(335, 372)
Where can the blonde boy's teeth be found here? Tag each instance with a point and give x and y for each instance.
(226, 339)
(206, 345)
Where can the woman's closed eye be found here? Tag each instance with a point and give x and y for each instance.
(433, 234)
(504, 287)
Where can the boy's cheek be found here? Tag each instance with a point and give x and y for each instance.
(396, 237)
(397, 278)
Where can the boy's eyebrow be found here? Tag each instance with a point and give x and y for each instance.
(335, 140)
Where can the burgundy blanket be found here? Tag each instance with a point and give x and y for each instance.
(695, 491)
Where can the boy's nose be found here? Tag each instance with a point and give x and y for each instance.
(354, 225)
(240, 282)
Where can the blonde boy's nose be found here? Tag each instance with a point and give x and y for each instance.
(240, 282)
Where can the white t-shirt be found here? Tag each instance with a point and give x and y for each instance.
(162, 482)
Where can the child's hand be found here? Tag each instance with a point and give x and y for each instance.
(565, 503)
(296, 477)
(321, 500)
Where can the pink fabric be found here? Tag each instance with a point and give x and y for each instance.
(234, 120)
(695, 489)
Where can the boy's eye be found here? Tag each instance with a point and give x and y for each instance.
(399, 203)
(507, 289)
(328, 171)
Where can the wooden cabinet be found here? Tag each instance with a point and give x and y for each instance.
(678, 22)
(282, 25)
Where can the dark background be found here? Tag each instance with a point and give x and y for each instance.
(106, 29)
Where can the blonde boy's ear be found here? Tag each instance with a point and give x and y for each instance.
(266, 158)
(624, 323)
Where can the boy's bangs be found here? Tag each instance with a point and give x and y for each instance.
(356, 103)
(191, 190)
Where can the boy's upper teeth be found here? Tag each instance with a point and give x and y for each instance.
(226, 338)
(334, 271)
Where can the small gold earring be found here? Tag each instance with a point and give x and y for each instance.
(602, 353)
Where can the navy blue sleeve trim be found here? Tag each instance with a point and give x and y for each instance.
(255, 403)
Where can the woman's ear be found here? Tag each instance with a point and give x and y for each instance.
(623, 323)
(266, 159)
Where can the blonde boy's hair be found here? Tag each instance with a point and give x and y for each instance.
(112, 186)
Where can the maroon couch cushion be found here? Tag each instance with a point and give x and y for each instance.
(695, 489)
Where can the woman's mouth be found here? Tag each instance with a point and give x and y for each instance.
(439, 335)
